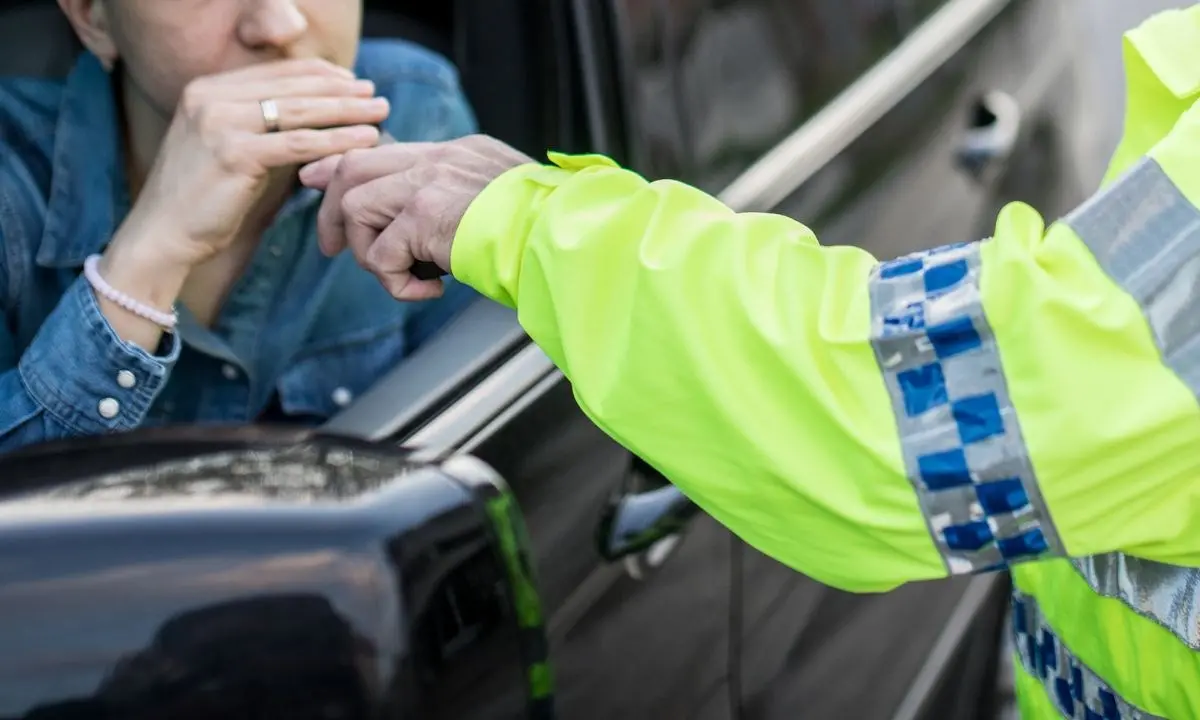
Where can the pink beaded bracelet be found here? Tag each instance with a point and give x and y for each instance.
(166, 321)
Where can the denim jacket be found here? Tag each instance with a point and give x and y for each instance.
(299, 332)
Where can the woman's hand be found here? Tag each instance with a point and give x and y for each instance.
(214, 162)
(214, 165)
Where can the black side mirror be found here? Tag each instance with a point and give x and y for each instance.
(252, 573)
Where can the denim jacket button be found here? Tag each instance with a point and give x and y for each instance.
(109, 407)
(126, 379)
(342, 397)
(229, 371)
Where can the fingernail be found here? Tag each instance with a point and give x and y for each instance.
(365, 86)
(379, 103)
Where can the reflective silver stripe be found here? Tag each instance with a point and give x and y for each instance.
(1146, 236)
(960, 438)
(1166, 594)
(1075, 689)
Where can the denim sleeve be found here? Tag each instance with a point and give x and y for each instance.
(72, 365)
(425, 90)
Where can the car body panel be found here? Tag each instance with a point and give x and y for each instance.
(255, 573)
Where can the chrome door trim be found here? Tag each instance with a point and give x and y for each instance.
(799, 156)
(482, 335)
(453, 429)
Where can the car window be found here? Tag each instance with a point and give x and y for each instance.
(749, 72)
(651, 105)
(913, 12)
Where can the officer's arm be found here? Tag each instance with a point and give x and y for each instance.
(1025, 397)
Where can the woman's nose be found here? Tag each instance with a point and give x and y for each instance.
(272, 23)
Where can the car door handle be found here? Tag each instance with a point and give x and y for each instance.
(992, 135)
(633, 522)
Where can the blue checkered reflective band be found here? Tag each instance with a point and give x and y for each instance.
(961, 441)
(1077, 691)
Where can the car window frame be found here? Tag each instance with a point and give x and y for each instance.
(456, 365)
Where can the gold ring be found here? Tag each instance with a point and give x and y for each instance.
(270, 113)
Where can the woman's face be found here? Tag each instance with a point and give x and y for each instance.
(165, 44)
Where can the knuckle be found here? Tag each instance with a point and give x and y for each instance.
(350, 139)
(303, 141)
(334, 86)
(229, 154)
(353, 204)
(194, 96)
(207, 119)
(386, 253)
(426, 204)
(352, 165)
(296, 111)
(372, 263)
(421, 174)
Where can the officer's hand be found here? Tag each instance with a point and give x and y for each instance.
(398, 204)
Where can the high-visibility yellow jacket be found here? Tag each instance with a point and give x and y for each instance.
(1028, 401)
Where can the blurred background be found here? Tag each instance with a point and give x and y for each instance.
(1105, 21)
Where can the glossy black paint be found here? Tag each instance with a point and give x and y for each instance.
(646, 636)
(255, 574)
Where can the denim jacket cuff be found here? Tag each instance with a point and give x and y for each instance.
(80, 370)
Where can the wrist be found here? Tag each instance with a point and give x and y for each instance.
(489, 243)
(142, 266)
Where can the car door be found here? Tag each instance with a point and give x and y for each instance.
(894, 125)
(758, 77)
(643, 633)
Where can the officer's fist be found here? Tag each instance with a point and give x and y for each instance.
(401, 203)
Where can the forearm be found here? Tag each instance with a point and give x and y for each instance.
(757, 370)
(730, 351)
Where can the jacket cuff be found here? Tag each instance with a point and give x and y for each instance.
(77, 368)
(490, 242)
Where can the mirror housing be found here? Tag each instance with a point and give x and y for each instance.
(201, 573)
(634, 522)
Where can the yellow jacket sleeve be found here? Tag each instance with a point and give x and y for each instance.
(954, 411)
